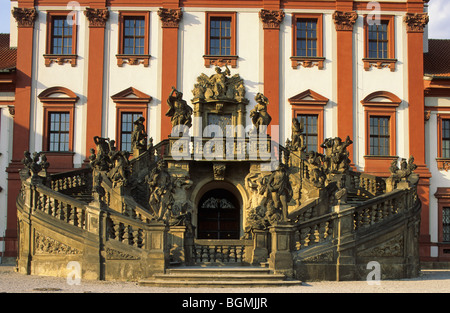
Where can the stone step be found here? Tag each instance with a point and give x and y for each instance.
(219, 270)
(218, 277)
(219, 283)
(222, 277)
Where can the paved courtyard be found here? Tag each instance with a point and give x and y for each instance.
(430, 281)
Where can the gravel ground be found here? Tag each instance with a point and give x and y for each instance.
(430, 281)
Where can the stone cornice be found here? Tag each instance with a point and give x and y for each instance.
(345, 20)
(170, 17)
(415, 22)
(25, 17)
(271, 19)
(97, 17)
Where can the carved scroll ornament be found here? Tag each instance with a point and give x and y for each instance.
(25, 17)
(97, 17)
(170, 17)
(271, 18)
(416, 22)
(344, 20)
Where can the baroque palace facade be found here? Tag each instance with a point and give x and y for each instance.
(341, 67)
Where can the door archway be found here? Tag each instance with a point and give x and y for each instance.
(218, 215)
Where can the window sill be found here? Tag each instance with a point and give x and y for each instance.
(220, 60)
(133, 59)
(60, 59)
(443, 164)
(379, 63)
(307, 62)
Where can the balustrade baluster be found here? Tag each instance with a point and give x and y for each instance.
(315, 234)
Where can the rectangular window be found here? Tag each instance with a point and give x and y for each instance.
(134, 38)
(446, 224)
(379, 135)
(61, 36)
(306, 37)
(126, 128)
(220, 39)
(134, 35)
(446, 138)
(378, 42)
(310, 123)
(220, 36)
(59, 130)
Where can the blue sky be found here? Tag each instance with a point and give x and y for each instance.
(439, 11)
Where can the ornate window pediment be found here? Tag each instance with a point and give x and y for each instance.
(130, 104)
(308, 97)
(131, 95)
(381, 99)
(58, 95)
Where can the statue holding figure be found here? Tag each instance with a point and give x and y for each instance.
(260, 118)
(139, 135)
(298, 138)
(219, 82)
(180, 112)
(161, 191)
(281, 190)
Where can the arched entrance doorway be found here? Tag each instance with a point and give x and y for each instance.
(218, 215)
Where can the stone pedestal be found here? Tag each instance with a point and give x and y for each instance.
(156, 244)
(346, 266)
(176, 240)
(260, 247)
(280, 260)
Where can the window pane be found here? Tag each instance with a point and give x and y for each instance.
(306, 41)
(310, 130)
(59, 130)
(446, 224)
(378, 40)
(134, 35)
(220, 36)
(379, 141)
(127, 127)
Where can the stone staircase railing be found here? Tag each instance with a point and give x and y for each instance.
(224, 251)
(373, 211)
(73, 181)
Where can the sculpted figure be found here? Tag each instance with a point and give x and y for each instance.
(316, 172)
(218, 82)
(298, 139)
(281, 189)
(179, 111)
(260, 118)
(120, 171)
(139, 135)
(161, 190)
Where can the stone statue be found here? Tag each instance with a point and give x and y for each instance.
(316, 170)
(180, 112)
(403, 177)
(281, 190)
(181, 212)
(260, 118)
(139, 135)
(120, 171)
(161, 191)
(218, 82)
(220, 86)
(35, 166)
(336, 155)
(298, 138)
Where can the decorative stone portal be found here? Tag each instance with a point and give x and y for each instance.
(218, 215)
